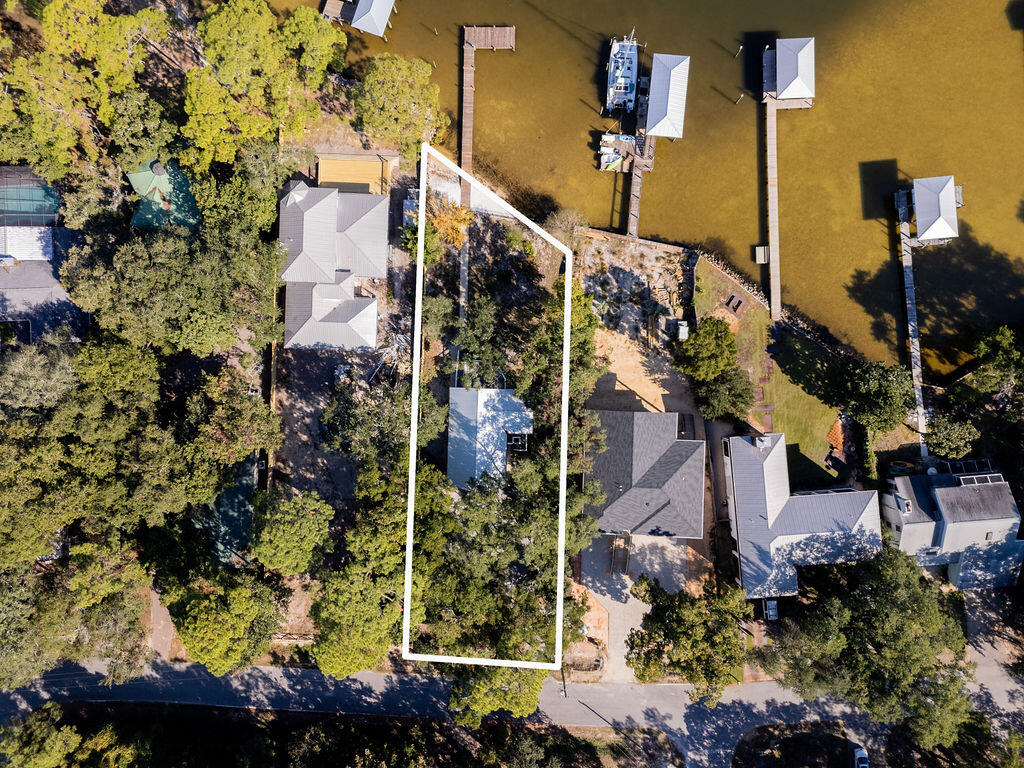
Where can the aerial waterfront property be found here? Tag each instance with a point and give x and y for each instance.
(380, 397)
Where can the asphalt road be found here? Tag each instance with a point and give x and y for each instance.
(706, 736)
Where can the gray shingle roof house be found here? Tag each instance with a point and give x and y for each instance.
(653, 481)
(776, 531)
(965, 521)
(480, 422)
(332, 238)
(31, 251)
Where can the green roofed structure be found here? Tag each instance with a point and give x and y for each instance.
(166, 196)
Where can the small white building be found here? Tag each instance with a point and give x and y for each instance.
(935, 204)
(666, 97)
(481, 425)
(794, 68)
(372, 16)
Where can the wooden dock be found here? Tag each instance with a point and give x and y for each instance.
(643, 161)
(907, 244)
(474, 38)
(772, 175)
(771, 129)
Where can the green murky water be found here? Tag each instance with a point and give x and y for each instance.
(903, 88)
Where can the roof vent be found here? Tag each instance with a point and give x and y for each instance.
(158, 168)
(762, 441)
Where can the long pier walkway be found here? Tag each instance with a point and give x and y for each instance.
(473, 38)
(772, 161)
(907, 244)
(643, 162)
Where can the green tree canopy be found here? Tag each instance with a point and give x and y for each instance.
(249, 192)
(697, 638)
(287, 532)
(880, 636)
(224, 424)
(226, 624)
(315, 41)
(730, 393)
(256, 84)
(39, 740)
(482, 690)
(98, 455)
(138, 130)
(879, 395)
(175, 292)
(56, 100)
(396, 103)
(951, 437)
(161, 289)
(710, 350)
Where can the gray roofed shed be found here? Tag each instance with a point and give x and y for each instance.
(30, 288)
(653, 481)
(794, 68)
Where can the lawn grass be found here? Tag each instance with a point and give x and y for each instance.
(804, 418)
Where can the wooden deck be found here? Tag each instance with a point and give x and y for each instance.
(474, 38)
(907, 244)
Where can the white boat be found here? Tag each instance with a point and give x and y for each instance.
(622, 74)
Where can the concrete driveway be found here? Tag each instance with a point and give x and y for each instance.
(993, 643)
(654, 555)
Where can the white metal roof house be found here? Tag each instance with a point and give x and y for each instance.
(666, 97)
(794, 68)
(332, 238)
(480, 422)
(653, 482)
(372, 16)
(776, 531)
(935, 204)
(967, 522)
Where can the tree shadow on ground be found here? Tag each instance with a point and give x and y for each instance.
(972, 748)
(962, 287)
(808, 745)
(810, 367)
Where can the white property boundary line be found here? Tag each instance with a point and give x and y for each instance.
(427, 152)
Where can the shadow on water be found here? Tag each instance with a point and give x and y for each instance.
(879, 181)
(963, 287)
(1015, 14)
(536, 206)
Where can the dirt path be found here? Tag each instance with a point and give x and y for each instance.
(638, 381)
